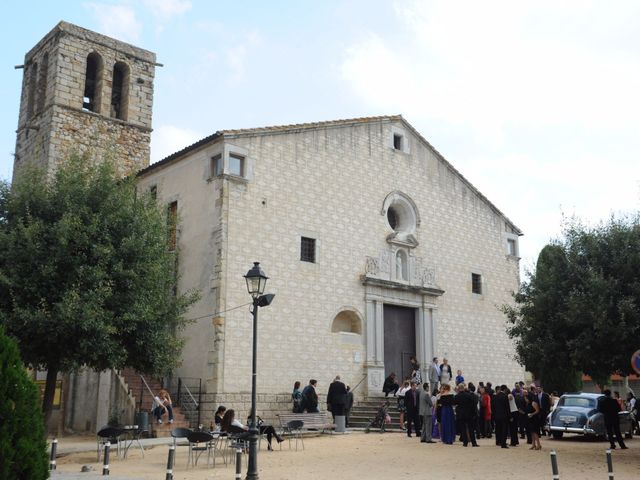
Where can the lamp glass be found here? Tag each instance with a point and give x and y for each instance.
(256, 280)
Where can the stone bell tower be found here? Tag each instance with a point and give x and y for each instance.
(83, 92)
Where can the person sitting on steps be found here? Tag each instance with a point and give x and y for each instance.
(163, 405)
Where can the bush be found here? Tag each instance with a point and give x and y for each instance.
(23, 450)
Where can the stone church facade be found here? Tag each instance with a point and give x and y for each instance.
(377, 248)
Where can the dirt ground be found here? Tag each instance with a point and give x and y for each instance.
(385, 456)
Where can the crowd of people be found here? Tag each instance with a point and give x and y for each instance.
(435, 409)
(508, 414)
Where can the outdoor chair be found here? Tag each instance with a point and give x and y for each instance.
(109, 434)
(293, 430)
(178, 433)
(236, 438)
(199, 443)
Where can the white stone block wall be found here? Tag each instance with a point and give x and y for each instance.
(330, 184)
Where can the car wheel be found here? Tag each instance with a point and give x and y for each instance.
(557, 435)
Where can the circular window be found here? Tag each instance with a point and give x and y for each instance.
(401, 215)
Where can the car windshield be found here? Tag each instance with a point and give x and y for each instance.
(577, 402)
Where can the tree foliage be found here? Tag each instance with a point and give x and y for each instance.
(578, 312)
(23, 451)
(86, 278)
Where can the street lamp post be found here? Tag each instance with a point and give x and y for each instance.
(256, 281)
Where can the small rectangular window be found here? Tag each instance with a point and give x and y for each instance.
(153, 191)
(397, 141)
(236, 165)
(216, 165)
(476, 283)
(308, 249)
(172, 225)
(511, 247)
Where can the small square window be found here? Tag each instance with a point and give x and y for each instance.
(476, 283)
(308, 249)
(512, 247)
(216, 165)
(236, 165)
(397, 141)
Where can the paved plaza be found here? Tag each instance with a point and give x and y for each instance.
(370, 456)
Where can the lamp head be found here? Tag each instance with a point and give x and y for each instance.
(256, 280)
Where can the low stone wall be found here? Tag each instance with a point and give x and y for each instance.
(94, 398)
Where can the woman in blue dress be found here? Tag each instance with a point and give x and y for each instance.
(446, 417)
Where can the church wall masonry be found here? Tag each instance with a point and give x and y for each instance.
(329, 183)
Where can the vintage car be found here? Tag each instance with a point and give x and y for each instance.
(578, 413)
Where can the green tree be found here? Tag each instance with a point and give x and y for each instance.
(605, 299)
(86, 278)
(23, 451)
(580, 310)
(539, 321)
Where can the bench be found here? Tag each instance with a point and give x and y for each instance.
(312, 421)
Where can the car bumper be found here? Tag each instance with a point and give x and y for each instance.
(583, 430)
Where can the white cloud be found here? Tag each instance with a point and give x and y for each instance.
(237, 57)
(168, 8)
(168, 139)
(488, 63)
(544, 97)
(165, 10)
(118, 21)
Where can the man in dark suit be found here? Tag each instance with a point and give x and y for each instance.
(336, 398)
(501, 415)
(609, 408)
(310, 397)
(412, 404)
(466, 411)
(544, 401)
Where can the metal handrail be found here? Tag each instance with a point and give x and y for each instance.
(147, 385)
(358, 384)
(190, 394)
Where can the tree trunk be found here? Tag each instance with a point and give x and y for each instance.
(49, 392)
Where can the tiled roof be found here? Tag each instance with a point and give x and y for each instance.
(312, 125)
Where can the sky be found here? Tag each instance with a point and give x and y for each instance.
(537, 104)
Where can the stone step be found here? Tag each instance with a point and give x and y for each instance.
(164, 429)
(136, 386)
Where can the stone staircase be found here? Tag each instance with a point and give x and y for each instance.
(364, 411)
(144, 403)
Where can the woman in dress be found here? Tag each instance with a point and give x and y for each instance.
(401, 406)
(485, 408)
(445, 372)
(446, 417)
(532, 411)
